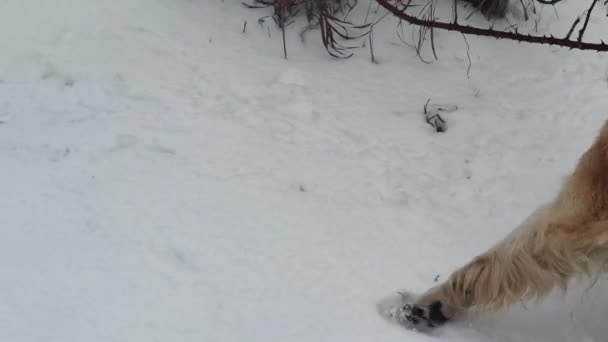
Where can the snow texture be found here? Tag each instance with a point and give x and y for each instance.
(169, 177)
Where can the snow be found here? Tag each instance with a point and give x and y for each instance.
(168, 177)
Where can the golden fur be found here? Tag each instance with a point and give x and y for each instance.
(559, 241)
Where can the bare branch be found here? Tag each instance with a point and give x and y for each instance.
(548, 2)
(578, 20)
(490, 32)
(584, 28)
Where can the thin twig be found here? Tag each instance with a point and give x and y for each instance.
(284, 42)
(578, 20)
(581, 32)
(468, 55)
(371, 47)
(523, 6)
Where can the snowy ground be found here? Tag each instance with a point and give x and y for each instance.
(168, 177)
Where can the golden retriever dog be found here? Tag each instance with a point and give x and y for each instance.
(562, 239)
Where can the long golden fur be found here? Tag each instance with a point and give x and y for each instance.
(559, 241)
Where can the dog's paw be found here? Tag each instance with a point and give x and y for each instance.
(405, 310)
(430, 316)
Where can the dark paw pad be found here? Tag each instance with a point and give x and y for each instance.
(430, 316)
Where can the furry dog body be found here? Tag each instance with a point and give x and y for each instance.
(557, 242)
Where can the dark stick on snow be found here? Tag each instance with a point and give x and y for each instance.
(584, 28)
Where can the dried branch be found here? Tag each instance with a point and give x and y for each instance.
(578, 20)
(322, 15)
(431, 23)
(584, 28)
(468, 55)
(548, 2)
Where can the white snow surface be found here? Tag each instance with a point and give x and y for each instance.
(169, 177)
